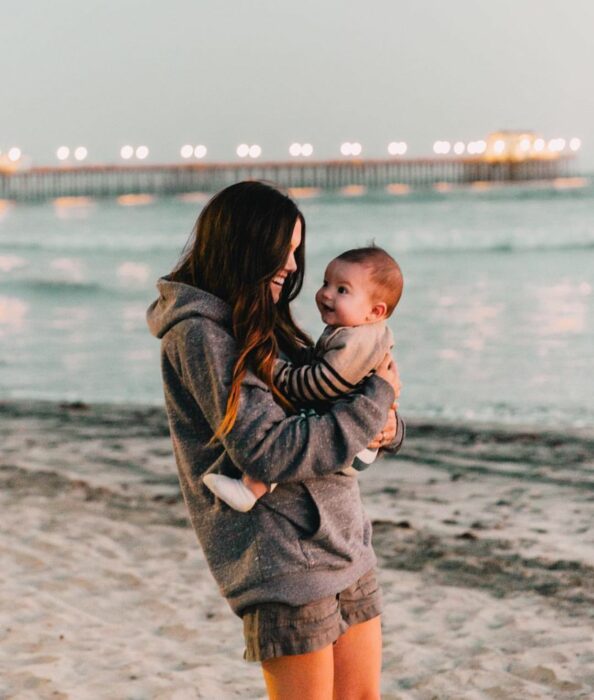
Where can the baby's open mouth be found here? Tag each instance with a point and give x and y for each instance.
(326, 307)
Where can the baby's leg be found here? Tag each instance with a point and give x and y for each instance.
(258, 488)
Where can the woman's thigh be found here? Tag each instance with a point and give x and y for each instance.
(301, 676)
(358, 662)
(350, 669)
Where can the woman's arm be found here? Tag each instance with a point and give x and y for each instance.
(264, 442)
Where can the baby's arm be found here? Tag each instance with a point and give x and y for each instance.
(346, 356)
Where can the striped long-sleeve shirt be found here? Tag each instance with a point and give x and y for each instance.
(342, 358)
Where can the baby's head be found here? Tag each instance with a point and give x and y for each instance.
(361, 286)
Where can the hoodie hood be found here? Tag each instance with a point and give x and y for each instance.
(178, 301)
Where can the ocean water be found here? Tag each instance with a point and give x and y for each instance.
(496, 322)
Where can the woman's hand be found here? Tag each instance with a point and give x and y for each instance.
(388, 370)
(388, 434)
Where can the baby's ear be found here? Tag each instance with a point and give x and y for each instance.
(379, 310)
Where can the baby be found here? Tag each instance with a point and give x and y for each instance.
(360, 291)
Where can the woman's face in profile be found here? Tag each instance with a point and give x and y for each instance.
(276, 286)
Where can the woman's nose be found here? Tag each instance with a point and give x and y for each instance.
(291, 264)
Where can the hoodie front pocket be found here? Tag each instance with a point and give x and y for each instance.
(284, 519)
(344, 530)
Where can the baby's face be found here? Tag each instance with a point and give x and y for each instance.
(345, 298)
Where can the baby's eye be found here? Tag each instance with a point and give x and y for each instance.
(342, 290)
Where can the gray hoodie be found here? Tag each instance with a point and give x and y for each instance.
(310, 537)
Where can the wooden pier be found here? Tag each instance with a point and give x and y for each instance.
(116, 180)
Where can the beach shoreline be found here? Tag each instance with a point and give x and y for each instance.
(483, 534)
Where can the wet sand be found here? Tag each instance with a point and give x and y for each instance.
(484, 536)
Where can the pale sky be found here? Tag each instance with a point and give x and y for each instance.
(103, 73)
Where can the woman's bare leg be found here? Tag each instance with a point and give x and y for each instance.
(358, 662)
(300, 676)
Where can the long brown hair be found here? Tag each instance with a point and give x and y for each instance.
(241, 240)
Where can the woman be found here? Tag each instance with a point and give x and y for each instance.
(298, 568)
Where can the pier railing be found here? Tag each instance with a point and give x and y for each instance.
(116, 180)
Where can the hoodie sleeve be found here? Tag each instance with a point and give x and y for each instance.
(265, 442)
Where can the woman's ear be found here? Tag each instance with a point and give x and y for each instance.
(378, 311)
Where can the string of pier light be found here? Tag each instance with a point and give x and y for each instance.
(128, 152)
(501, 147)
(188, 151)
(63, 153)
(526, 146)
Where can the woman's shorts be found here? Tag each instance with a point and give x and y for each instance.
(276, 629)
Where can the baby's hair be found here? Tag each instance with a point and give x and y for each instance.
(386, 274)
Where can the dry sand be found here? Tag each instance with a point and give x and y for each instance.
(485, 539)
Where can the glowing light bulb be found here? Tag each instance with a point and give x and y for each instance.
(525, 145)
(481, 146)
(142, 152)
(80, 153)
(242, 150)
(356, 148)
(499, 146)
(295, 149)
(255, 151)
(306, 149)
(63, 152)
(200, 151)
(397, 148)
(126, 152)
(14, 154)
(186, 151)
(345, 149)
(556, 145)
(538, 145)
(459, 148)
(575, 144)
(442, 147)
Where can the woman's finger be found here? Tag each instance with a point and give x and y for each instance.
(385, 436)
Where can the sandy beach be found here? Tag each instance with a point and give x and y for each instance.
(484, 535)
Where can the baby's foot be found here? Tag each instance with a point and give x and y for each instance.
(233, 491)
